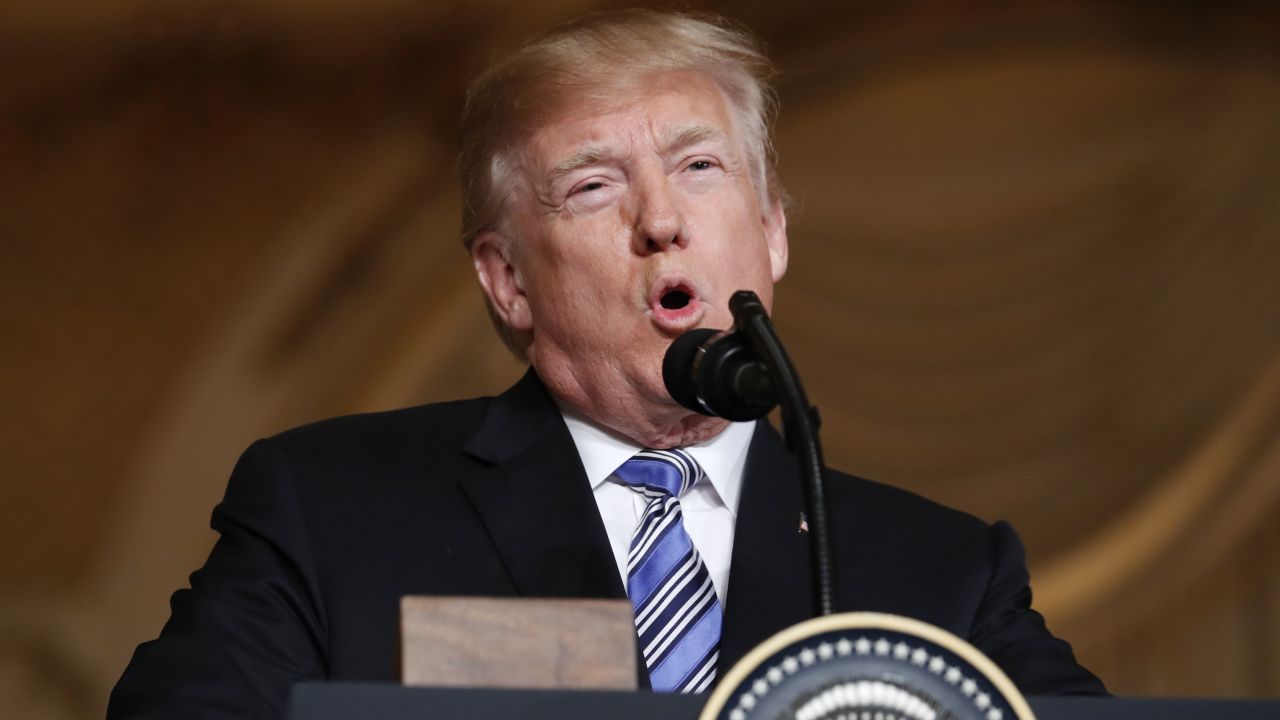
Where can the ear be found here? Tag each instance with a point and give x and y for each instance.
(775, 234)
(491, 256)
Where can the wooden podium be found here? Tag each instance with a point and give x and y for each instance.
(479, 659)
(517, 643)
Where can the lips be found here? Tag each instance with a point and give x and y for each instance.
(674, 304)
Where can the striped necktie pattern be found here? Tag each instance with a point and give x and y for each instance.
(677, 614)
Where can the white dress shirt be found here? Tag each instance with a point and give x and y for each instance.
(710, 507)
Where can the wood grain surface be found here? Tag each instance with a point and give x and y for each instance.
(517, 643)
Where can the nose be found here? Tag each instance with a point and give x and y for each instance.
(659, 220)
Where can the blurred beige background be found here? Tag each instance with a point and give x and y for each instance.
(1036, 275)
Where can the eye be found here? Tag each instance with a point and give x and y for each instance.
(701, 165)
(588, 187)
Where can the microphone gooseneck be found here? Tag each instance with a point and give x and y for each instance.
(740, 374)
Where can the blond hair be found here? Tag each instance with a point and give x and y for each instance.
(520, 94)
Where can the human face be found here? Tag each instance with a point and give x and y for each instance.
(632, 224)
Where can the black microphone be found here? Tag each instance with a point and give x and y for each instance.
(716, 373)
(740, 374)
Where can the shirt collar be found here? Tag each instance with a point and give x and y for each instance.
(723, 457)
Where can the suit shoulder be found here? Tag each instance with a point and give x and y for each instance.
(391, 435)
(904, 510)
(438, 422)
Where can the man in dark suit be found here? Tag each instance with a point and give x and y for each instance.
(618, 188)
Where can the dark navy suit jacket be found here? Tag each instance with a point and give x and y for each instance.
(323, 529)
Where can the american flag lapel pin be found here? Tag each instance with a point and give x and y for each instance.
(804, 524)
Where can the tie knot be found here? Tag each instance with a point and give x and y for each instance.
(660, 472)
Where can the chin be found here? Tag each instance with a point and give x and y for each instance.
(692, 429)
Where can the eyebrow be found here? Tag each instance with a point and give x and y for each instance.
(586, 157)
(681, 137)
(685, 135)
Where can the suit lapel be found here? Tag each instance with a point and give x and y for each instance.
(769, 574)
(535, 502)
(538, 509)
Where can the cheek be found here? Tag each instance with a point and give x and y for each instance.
(733, 201)
(736, 221)
(577, 286)
(593, 260)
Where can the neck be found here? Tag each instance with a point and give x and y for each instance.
(660, 429)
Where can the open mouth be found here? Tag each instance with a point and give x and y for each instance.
(675, 299)
(676, 306)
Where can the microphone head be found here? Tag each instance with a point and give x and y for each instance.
(677, 368)
(716, 374)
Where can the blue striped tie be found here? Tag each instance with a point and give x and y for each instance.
(677, 613)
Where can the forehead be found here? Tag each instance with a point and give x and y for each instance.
(653, 111)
